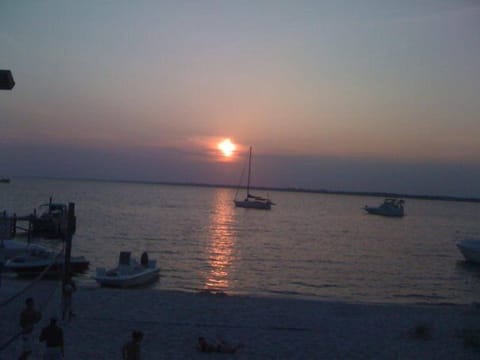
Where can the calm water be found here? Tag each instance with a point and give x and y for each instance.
(310, 245)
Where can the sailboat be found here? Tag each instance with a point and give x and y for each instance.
(252, 201)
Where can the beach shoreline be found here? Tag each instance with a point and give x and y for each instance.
(269, 328)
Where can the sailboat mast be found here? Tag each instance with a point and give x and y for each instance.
(249, 170)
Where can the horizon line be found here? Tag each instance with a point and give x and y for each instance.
(268, 188)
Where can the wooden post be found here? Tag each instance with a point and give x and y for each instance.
(29, 232)
(31, 219)
(14, 225)
(70, 229)
(68, 239)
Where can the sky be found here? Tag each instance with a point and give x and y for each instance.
(373, 95)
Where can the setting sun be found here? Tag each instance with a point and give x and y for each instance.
(227, 147)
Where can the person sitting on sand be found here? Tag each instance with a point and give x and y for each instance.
(131, 349)
(222, 346)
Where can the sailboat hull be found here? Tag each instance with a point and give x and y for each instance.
(251, 201)
(253, 204)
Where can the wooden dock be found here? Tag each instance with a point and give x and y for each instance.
(32, 225)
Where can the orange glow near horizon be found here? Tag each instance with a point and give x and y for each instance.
(227, 147)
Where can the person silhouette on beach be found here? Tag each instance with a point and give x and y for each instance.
(53, 337)
(68, 289)
(131, 349)
(28, 318)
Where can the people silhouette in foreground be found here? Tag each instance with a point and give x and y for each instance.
(221, 346)
(131, 349)
(28, 318)
(52, 335)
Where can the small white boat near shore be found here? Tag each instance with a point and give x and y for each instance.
(129, 272)
(470, 249)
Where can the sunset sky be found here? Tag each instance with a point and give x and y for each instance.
(341, 95)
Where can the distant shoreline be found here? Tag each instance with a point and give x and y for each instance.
(323, 191)
(282, 189)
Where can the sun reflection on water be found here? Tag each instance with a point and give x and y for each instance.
(220, 247)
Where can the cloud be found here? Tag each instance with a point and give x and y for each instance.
(176, 165)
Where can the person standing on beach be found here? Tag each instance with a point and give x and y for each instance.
(53, 337)
(131, 349)
(28, 318)
(68, 289)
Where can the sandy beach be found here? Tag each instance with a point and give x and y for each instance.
(268, 328)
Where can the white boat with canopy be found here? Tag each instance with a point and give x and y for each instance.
(128, 272)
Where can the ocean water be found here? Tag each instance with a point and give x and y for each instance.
(313, 246)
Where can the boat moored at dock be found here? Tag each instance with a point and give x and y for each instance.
(11, 248)
(50, 220)
(38, 260)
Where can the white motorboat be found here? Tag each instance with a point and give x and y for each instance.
(252, 201)
(470, 248)
(129, 272)
(390, 207)
(11, 248)
(38, 259)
